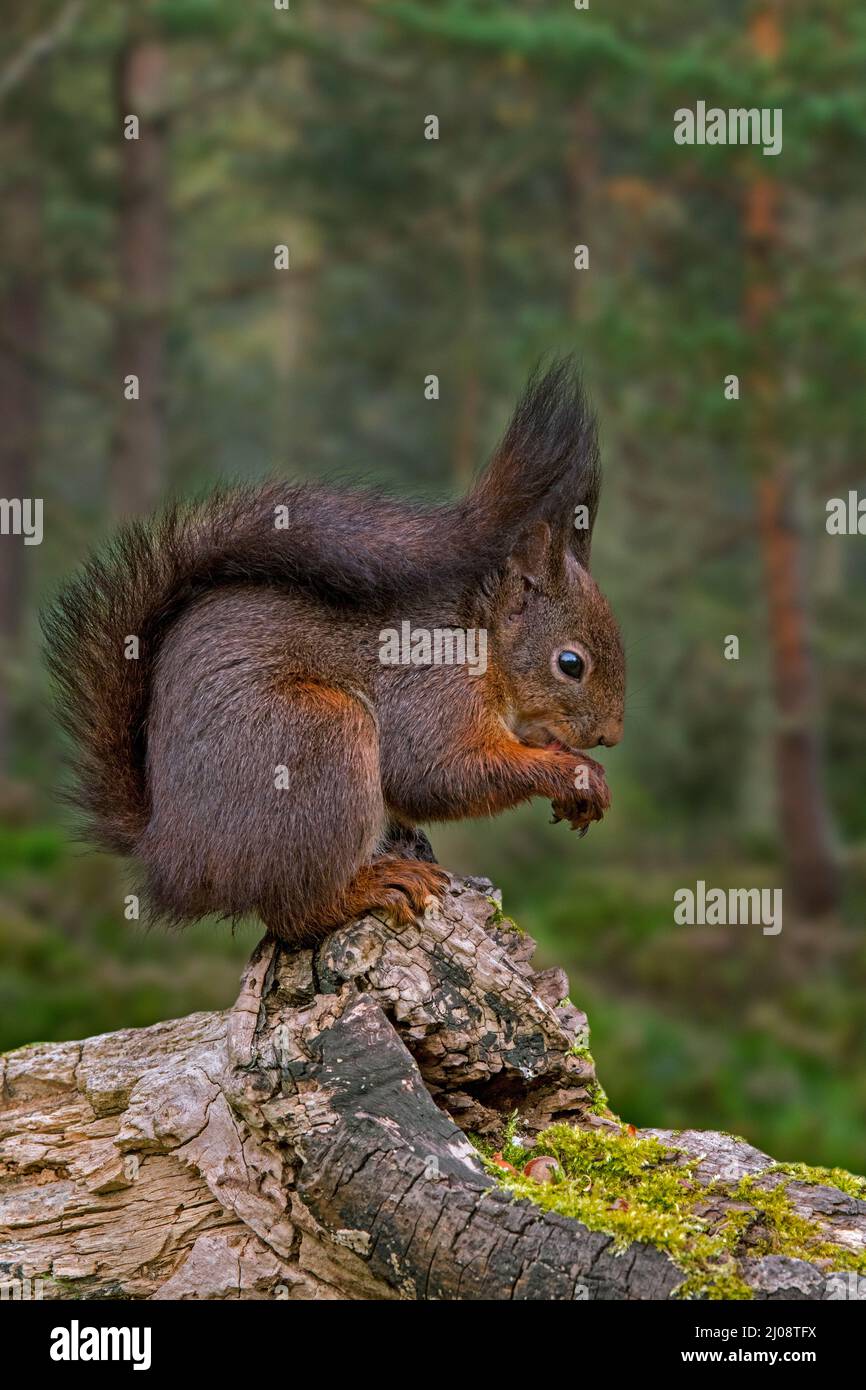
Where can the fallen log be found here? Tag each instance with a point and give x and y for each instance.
(312, 1142)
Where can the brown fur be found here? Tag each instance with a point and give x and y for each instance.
(259, 649)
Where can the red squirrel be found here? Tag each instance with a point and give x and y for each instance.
(237, 730)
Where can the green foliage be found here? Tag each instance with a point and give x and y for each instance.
(554, 41)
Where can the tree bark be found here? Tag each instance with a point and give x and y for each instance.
(310, 1142)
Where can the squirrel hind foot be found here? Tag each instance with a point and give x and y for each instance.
(403, 888)
(400, 888)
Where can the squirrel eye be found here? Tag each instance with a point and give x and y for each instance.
(571, 664)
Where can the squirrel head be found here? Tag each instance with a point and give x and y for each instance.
(557, 645)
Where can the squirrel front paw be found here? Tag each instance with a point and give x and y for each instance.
(587, 800)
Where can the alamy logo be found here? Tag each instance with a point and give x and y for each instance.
(76, 1343)
(22, 516)
(737, 126)
(19, 1289)
(846, 1285)
(713, 907)
(438, 646)
(846, 516)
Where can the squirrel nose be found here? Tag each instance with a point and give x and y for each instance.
(611, 734)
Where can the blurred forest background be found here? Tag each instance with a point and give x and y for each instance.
(304, 126)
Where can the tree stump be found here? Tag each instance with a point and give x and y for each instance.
(311, 1142)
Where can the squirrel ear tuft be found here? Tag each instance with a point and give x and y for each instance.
(546, 463)
(531, 555)
(579, 524)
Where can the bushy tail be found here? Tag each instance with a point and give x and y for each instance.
(356, 550)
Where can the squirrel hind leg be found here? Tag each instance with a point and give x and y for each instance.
(283, 815)
(408, 842)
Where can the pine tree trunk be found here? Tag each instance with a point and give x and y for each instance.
(803, 813)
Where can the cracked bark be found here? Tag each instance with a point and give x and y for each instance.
(311, 1141)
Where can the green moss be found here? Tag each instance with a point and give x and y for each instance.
(499, 919)
(713, 1273)
(636, 1189)
(598, 1101)
(850, 1183)
(512, 1149)
(510, 1146)
(783, 1231)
